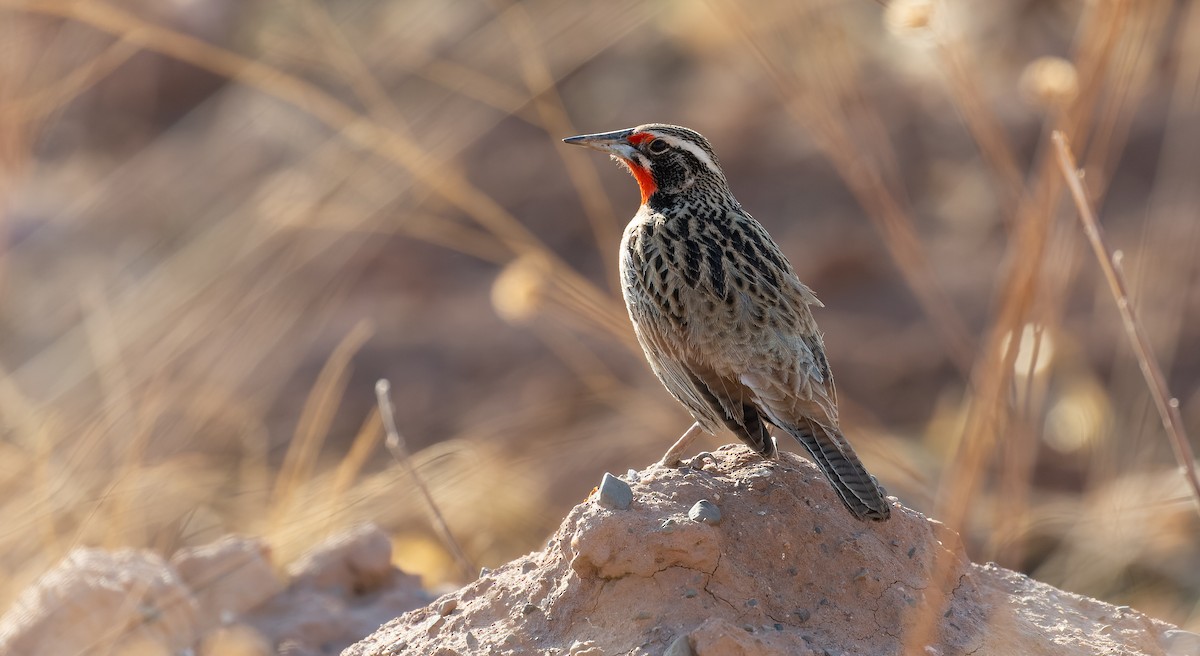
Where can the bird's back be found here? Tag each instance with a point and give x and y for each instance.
(726, 326)
(712, 290)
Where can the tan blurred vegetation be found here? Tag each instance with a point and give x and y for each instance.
(223, 221)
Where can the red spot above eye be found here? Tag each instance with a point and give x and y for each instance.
(639, 138)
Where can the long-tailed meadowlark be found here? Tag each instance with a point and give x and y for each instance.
(720, 313)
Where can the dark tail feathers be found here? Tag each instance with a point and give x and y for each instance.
(857, 488)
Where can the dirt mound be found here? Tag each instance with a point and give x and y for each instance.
(222, 599)
(743, 556)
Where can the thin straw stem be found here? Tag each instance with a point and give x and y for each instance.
(1168, 406)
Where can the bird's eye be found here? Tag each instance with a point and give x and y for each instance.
(658, 146)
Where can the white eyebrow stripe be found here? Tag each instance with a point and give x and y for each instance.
(692, 148)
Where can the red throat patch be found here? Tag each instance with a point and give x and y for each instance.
(644, 179)
(643, 176)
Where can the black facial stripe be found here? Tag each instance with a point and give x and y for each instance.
(688, 136)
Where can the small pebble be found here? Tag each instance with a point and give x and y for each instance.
(447, 607)
(752, 603)
(690, 593)
(861, 575)
(1179, 642)
(615, 493)
(529, 608)
(705, 511)
(802, 614)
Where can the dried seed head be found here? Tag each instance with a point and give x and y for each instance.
(1049, 83)
(519, 290)
(909, 18)
(1080, 416)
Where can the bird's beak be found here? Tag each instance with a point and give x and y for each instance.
(613, 143)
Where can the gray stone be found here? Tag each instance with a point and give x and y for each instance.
(705, 511)
(615, 493)
(1177, 642)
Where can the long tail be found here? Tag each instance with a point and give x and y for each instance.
(857, 488)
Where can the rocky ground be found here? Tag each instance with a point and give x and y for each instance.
(733, 555)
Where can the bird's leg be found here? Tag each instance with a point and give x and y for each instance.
(671, 457)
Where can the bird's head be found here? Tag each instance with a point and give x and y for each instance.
(664, 159)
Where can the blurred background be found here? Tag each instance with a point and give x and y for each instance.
(221, 222)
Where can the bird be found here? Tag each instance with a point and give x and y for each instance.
(720, 314)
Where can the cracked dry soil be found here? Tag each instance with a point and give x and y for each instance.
(785, 570)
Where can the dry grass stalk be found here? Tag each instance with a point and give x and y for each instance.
(36, 106)
(1162, 279)
(992, 375)
(1122, 65)
(1167, 405)
(982, 122)
(300, 462)
(554, 119)
(399, 450)
(356, 128)
(1027, 249)
(865, 162)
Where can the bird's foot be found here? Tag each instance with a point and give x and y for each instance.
(673, 457)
